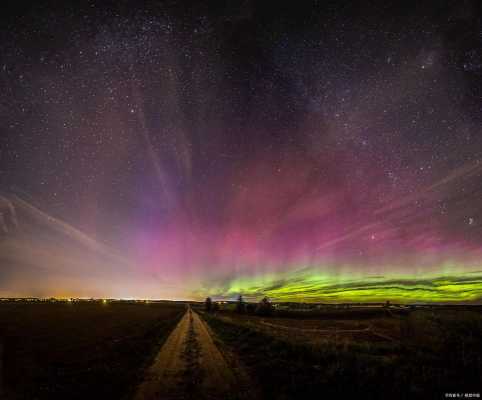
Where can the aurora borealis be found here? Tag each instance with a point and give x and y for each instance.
(312, 152)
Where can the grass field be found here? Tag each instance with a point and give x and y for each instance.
(94, 350)
(80, 350)
(372, 354)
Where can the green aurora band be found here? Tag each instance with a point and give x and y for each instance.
(311, 285)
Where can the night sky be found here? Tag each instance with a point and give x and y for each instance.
(312, 151)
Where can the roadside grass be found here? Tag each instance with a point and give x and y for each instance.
(438, 353)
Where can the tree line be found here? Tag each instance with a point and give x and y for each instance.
(264, 307)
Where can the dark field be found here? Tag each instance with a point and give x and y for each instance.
(80, 350)
(371, 353)
(91, 350)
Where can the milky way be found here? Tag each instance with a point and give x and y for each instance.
(309, 152)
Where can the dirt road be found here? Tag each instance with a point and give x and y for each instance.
(188, 366)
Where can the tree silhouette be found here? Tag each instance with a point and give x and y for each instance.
(208, 304)
(240, 305)
(264, 307)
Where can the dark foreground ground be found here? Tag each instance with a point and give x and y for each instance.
(358, 353)
(93, 350)
(80, 350)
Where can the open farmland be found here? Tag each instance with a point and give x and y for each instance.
(80, 350)
(380, 353)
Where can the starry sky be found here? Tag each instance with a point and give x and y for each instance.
(313, 151)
